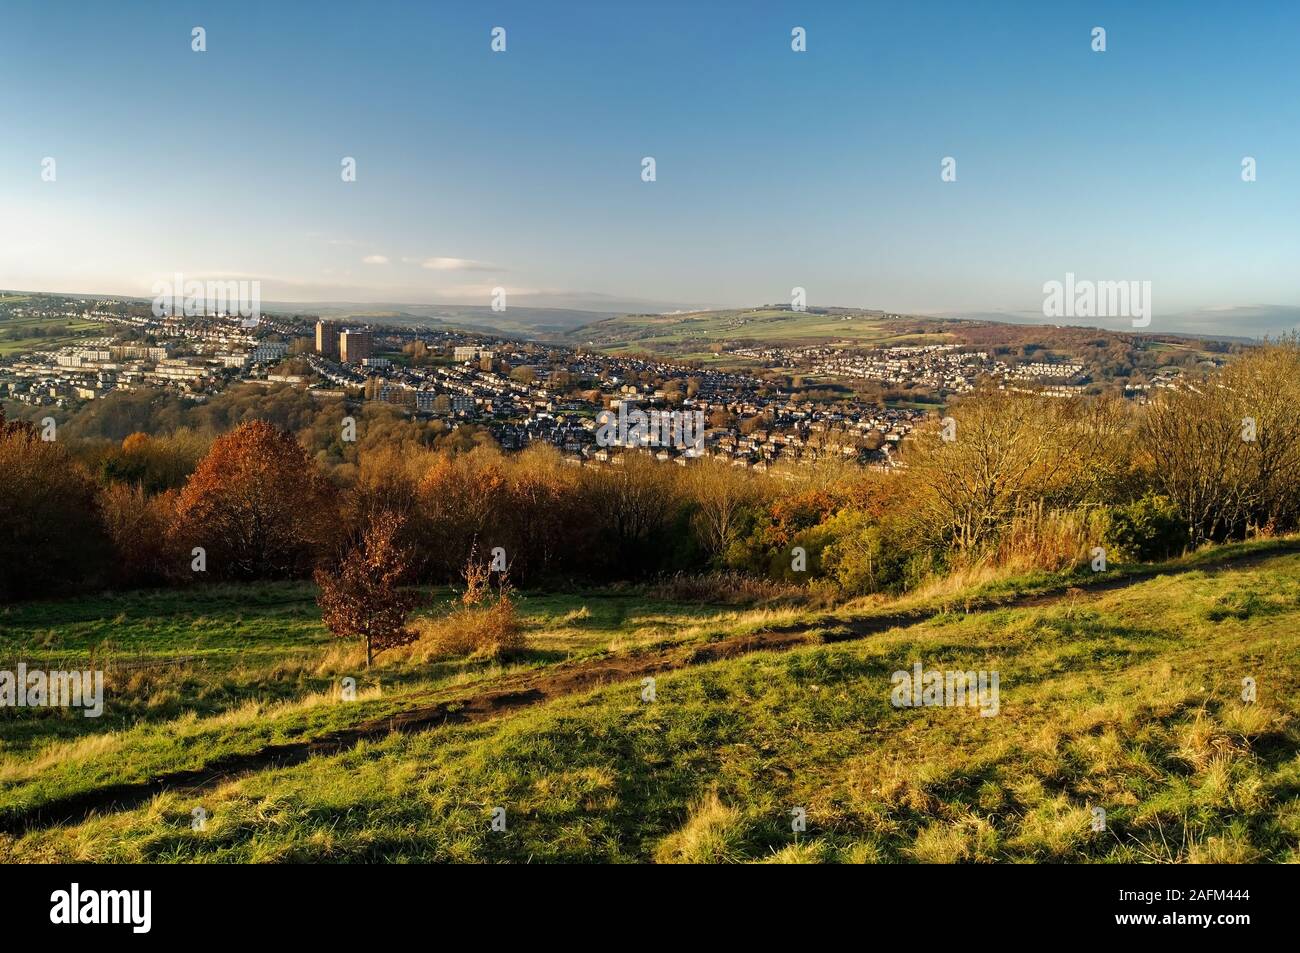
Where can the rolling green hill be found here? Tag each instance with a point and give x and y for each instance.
(27, 333)
(515, 321)
(690, 334)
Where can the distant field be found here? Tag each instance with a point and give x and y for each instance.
(41, 333)
(516, 321)
(1125, 697)
(762, 327)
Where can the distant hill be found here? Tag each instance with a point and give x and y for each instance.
(689, 331)
(515, 321)
(695, 333)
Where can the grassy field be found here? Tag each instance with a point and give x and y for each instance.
(25, 334)
(198, 675)
(688, 334)
(1127, 697)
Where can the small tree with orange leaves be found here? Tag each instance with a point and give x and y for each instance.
(362, 599)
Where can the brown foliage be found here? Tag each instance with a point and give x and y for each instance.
(1012, 451)
(1193, 446)
(720, 494)
(154, 463)
(362, 599)
(387, 482)
(257, 505)
(459, 499)
(484, 624)
(138, 526)
(791, 515)
(725, 588)
(50, 532)
(631, 507)
(528, 503)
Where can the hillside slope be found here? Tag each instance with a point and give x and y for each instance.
(1128, 699)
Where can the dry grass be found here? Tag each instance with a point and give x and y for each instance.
(968, 839)
(57, 753)
(491, 630)
(1049, 540)
(712, 834)
(726, 588)
(807, 852)
(485, 623)
(1037, 540)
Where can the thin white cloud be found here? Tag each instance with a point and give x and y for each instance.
(453, 264)
(375, 260)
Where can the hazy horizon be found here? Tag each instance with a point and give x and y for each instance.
(1247, 321)
(775, 169)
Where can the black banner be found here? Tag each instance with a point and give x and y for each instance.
(147, 904)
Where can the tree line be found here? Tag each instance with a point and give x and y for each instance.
(1005, 479)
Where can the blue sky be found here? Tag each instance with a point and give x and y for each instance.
(775, 168)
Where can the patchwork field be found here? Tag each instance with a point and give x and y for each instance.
(1122, 692)
(29, 333)
(688, 335)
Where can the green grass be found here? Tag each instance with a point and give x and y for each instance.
(638, 332)
(38, 333)
(1128, 699)
(255, 666)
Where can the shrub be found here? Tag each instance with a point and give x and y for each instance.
(137, 525)
(866, 556)
(485, 624)
(1147, 529)
(489, 631)
(153, 463)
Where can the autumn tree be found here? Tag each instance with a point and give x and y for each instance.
(362, 598)
(1005, 452)
(257, 506)
(1191, 442)
(153, 463)
(1269, 379)
(50, 531)
(540, 521)
(386, 480)
(137, 523)
(1226, 448)
(719, 495)
(460, 498)
(632, 509)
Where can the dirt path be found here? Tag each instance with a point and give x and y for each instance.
(537, 687)
(511, 693)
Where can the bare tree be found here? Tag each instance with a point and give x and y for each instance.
(719, 494)
(1009, 451)
(1226, 447)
